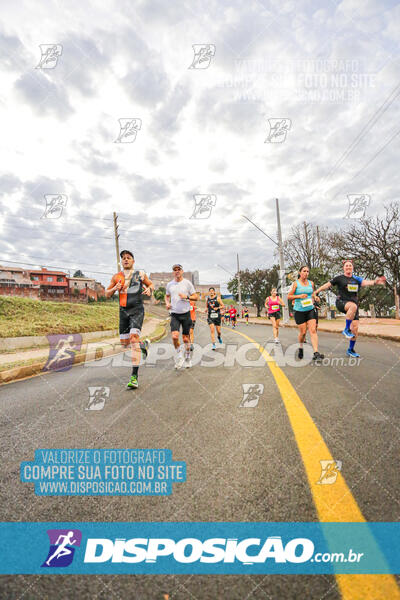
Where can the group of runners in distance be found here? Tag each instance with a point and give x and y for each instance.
(181, 298)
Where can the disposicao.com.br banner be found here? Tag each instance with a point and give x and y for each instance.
(202, 548)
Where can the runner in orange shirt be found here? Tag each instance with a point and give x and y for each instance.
(193, 309)
(131, 285)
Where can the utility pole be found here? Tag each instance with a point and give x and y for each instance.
(319, 247)
(239, 288)
(322, 265)
(282, 274)
(116, 234)
(308, 253)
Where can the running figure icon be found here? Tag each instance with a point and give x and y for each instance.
(62, 549)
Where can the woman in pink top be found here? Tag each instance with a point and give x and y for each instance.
(273, 307)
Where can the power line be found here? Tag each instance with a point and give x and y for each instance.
(370, 161)
(375, 155)
(382, 109)
(15, 262)
(63, 233)
(64, 219)
(44, 259)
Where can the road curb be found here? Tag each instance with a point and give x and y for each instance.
(393, 338)
(40, 341)
(24, 371)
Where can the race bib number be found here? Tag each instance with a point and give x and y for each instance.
(214, 315)
(352, 287)
(306, 302)
(275, 307)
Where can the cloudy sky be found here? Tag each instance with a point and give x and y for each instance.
(326, 72)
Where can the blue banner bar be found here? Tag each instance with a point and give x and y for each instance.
(203, 548)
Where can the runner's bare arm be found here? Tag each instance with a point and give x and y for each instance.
(370, 282)
(149, 286)
(326, 286)
(193, 296)
(113, 287)
(291, 295)
(167, 301)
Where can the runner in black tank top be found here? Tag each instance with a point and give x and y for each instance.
(213, 310)
(131, 285)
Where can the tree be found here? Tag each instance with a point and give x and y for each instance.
(159, 294)
(255, 285)
(78, 273)
(381, 297)
(374, 245)
(307, 244)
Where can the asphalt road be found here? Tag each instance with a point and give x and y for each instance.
(243, 463)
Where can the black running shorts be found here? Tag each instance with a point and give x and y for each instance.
(302, 316)
(275, 315)
(178, 319)
(130, 321)
(340, 305)
(211, 321)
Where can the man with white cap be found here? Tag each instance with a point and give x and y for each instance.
(179, 292)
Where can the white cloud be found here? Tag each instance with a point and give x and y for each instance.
(202, 131)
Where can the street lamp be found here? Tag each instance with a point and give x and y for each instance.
(279, 245)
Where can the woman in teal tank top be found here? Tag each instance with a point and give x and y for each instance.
(304, 313)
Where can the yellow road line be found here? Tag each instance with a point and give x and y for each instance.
(334, 503)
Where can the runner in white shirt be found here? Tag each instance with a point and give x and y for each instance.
(179, 292)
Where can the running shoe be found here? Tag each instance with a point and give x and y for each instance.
(188, 363)
(179, 360)
(352, 353)
(144, 347)
(277, 341)
(133, 383)
(220, 340)
(213, 346)
(191, 347)
(347, 333)
(301, 353)
(318, 356)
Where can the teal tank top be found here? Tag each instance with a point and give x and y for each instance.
(303, 289)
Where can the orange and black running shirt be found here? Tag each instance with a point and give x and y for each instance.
(131, 298)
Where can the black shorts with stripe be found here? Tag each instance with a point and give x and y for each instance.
(130, 321)
(183, 320)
